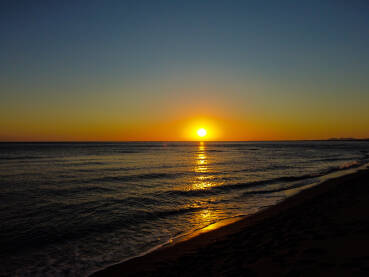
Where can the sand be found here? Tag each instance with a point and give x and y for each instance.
(322, 231)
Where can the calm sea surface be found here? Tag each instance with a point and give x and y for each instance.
(73, 208)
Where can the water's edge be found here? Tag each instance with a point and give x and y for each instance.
(230, 220)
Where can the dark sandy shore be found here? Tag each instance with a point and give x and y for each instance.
(321, 231)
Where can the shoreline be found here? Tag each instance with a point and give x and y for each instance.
(170, 253)
(229, 220)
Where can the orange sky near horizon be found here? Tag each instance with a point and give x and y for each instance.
(184, 130)
(229, 109)
(152, 71)
(241, 114)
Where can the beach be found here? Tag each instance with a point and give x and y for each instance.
(323, 230)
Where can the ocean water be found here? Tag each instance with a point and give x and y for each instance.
(74, 208)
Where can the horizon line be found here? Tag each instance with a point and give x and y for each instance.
(126, 141)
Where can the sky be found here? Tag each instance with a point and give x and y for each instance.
(159, 70)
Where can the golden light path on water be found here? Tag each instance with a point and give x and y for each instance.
(203, 180)
(209, 218)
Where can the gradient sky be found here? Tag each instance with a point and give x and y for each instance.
(157, 70)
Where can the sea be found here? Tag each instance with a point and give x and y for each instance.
(71, 209)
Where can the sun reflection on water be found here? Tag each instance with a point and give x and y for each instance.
(201, 180)
(204, 217)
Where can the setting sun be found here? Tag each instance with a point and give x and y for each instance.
(201, 128)
(201, 132)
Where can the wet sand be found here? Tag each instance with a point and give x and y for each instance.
(322, 231)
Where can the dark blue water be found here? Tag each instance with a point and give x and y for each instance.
(73, 208)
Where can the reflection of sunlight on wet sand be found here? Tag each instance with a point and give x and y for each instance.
(219, 224)
(205, 217)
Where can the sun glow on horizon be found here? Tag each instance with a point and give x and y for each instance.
(200, 129)
(201, 132)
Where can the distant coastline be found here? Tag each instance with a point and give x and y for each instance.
(348, 139)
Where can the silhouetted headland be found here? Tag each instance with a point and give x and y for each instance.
(349, 139)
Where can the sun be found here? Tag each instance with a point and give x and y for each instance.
(201, 132)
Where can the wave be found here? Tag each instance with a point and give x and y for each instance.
(77, 190)
(88, 163)
(118, 169)
(298, 185)
(231, 187)
(271, 167)
(146, 176)
(337, 159)
(241, 186)
(108, 169)
(10, 158)
(45, 235)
